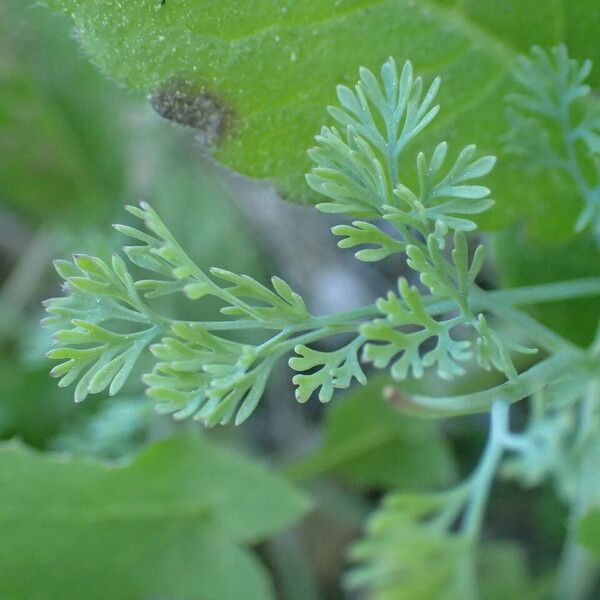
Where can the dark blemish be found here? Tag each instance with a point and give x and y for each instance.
(184, 102)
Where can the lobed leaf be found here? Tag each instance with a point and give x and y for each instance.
(332, 370)
(178, 516)
(389, 340)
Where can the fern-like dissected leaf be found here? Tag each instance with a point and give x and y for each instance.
(449, 197)
(493, 349)
(550, 80)
(358, 168)
(103, 324)
(359, 175)
(540, 449)
(555, 123)
(405, 348)
(407, 556)
(162, 255)
(207, 377)
(363, 233)
(443, 203)
(333, 370)
(429, 261)
(282, 305)
(99, 357)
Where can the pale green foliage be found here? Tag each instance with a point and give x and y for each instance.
(412, 554)
(358, 170)
(197, 373)
(555, 123)
(214, 378)
(493, 349)
(355, 167)
(206, 376)
(164, 256)
(97, 294)
(541, 449)
(408, 310)
(363, 232)
(443, 197)
(408, 555)
(561, 433)
(335, 370)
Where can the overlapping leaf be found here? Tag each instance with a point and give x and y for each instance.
(266, 70)
(103, 324)
(171, 523)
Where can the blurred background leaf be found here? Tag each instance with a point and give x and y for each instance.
(166, 525)
(521, 259)
(258, 76)
(370, 443)
(63, 141)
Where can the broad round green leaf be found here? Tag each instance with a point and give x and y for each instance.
(255, 77)
(166, 525)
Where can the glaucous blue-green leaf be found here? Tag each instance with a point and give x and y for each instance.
(371, 443)
(167, 525)
(255, 77)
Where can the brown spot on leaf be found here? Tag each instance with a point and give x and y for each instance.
(184, 102)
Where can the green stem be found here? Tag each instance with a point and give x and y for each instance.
(313, 336)
(521, 296)
(480, 485)
(232, 325)
(571, 164)
(539, 333)
(483, 477)
(523, 385)
(578, 571)
(548, 292)
(590, 195)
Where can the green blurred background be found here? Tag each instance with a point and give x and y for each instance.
(74, 149)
